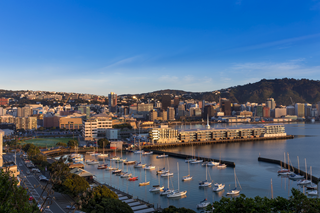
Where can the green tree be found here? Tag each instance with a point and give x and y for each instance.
(108, 205)
(40, 128)
(31, 149)
(74, 185)
(61, 144)
(72, 143)
(103, 142)
(173, 209)
(14, 199)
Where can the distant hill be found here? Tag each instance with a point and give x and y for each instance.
(301, 91)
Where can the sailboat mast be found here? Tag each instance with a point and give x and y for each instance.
(298, 165)
(178, 177)
(305, 164)
(271, 189)
(311, 173)
(206, 172)
(188, 169)
(284, 158)
(288, 162)
(235, 178)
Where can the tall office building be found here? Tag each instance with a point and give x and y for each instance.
(259, 111)
(171, 113)
(166, 101)
(112, 102)
(176, 101)
(181, 110)
(226, 107)
(299, 110)
(208, 111)
(271, 103)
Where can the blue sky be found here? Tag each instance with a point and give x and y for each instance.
(141, 46)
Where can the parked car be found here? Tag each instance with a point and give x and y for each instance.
(35, 170)
(43, 178)
(28, 172)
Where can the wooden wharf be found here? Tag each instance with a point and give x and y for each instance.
(183, 156)
(291, 168)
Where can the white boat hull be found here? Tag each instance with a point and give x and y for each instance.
(203, 205)
(177, 194)
(218, 188)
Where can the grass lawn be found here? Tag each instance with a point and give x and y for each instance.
(46, 141)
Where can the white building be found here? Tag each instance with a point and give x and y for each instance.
(94, 128)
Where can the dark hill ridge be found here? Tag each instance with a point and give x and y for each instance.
(301, 91)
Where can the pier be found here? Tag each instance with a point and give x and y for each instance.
(291, 168)
(235, 140)
(183, 156)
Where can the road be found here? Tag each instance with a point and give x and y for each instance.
(57, 205)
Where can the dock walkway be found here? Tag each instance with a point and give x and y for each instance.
(291, 168)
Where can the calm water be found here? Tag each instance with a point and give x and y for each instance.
(254, 176)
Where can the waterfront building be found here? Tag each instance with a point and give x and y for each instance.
(280, 112)
(266, 112)
(271, 103)
(113, 102)
(299, 110)
(163, 134)
(166, 101)
(259, 111)
(291, 110)
(208, 111)
(95, 127)
(225, 106)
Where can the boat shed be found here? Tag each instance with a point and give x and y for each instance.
(83, 173)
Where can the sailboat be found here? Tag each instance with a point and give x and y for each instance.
(102, 155)
(162, 171)
(139, 165)
(295, 176)
(203, 204)
(205, 183)
(221, 166)
(126, 174)
(162, 156)
(156, 188)
(145, 180)
(304, 181)
(115, 158)
(286, 171)
(177, 193)
(149, 167)
(234, 191)
(190, 159)
(167, 190)
(312, 186)
(218, 187)
(121, 160)
(188, 177)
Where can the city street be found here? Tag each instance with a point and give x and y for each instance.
(56, 205)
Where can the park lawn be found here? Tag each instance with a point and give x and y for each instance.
(46, 141)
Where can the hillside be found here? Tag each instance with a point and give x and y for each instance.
(301, 91)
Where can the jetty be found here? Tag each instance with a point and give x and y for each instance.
(183, 156)
(291, 168)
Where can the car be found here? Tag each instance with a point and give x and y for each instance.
(35, 170)
(70, 207)
(28, 172)
(22, 175)
(43, 178)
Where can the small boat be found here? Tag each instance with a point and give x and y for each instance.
(218, 187)
(144, 183)
(139, 165)
(203, 204)
(205, 183)
(116, 171)
(77, 159)
(115, 158)
(313, 193)
(75, 155)
(138, 152)
(129, 162)
(121, 160)
(177, 194)
(149, 167)
(133, 179)
(222, 166)
(92, 162)
(190, 160)
(162, 171)
(186, 178)
(156, 188)
(119, 174)
(147, 153)
(110, 168)
(283, 170)
(285, 173)
(166, 191)
(212, 163)
(126, 175)
(295, 176)
(197, 161)
(234, 191)
(103, 166)
(162, 156)
(167, 174)
(100, 155)
(312, 186)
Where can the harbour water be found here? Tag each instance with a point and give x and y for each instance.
(254, 176)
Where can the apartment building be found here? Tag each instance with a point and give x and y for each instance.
(95, 127)
(26, 123)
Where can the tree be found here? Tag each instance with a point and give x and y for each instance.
(31, 149)
(74, 185)
(40, 128)
(72, 143)
(103, 142)
(61, 144)
(108, 205)
(14, 199)
(173, 209)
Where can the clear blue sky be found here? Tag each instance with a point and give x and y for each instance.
(140, 46)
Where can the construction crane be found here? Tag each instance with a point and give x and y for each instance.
(292, 101)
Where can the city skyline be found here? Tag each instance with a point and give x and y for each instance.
(135, 47)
